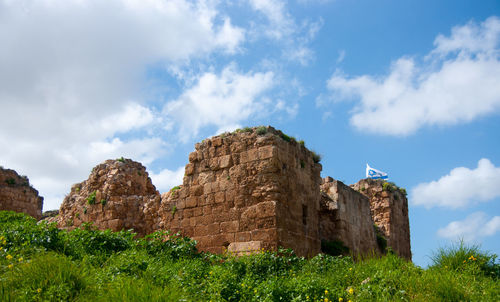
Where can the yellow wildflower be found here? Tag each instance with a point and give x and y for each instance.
(38, 290)
(326, 292)
(307, 297)
(326, 300)
(349, 301)
(20, 259)
(350, 268)
(341, 299)
(10, 266)
(465, 261)
(9, 257)
(351, 290)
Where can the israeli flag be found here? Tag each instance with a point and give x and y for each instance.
(374, 173)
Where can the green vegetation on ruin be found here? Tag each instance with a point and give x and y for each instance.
(263, 130)
(91, 198)
(39, 262)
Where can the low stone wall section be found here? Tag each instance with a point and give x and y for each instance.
(117, 195)
(16, 194)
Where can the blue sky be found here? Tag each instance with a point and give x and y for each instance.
(410, 87)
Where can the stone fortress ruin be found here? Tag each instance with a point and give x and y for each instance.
(16, 194)
(245, 191)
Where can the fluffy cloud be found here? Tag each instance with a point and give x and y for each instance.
(460, 188)
(443, 90)
(220, 100)
(473, 227)
(167, 179)
(72, 75)
(281, 23)
(282, 27)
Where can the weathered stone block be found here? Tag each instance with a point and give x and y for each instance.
(229, 226)
(245, 248)
(225, 161)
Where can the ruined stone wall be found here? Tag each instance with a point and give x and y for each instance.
(345, 216)
(16, 194)
(117, 195)
(389, 208)
(246, 191)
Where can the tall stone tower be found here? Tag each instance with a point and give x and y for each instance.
(252, 189)
(389, 208)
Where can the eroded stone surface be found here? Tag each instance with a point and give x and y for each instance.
(389, 207)
(117, 195)
(245, 188)
(243, 191)
(345, 216)
(16, 194)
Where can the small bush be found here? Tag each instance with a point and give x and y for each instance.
(261, 130)
(302, 164)
(285, 137)
(172, 246)
(316, 157)
(246, 130)
(389, 186)
(10, 181)
(302, 143)
(91, 198)
(88, 241)
(174, 189)
(103, 202)
(460, 256)
(121, 159)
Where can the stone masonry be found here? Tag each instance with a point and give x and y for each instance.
(389, 208)
(345, 216)
(16, 194)
(117, 195)
(244, 191)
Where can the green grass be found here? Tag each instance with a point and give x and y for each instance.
(39, 262)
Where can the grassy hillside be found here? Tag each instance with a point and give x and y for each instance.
(38, 262)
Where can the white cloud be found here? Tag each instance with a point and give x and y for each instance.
(460, 188)
(341, 56)
(457, 83)
(72, 75)
(220, 100)
(281, 26)
(281, 23)
(167, 179)
(473, 227)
